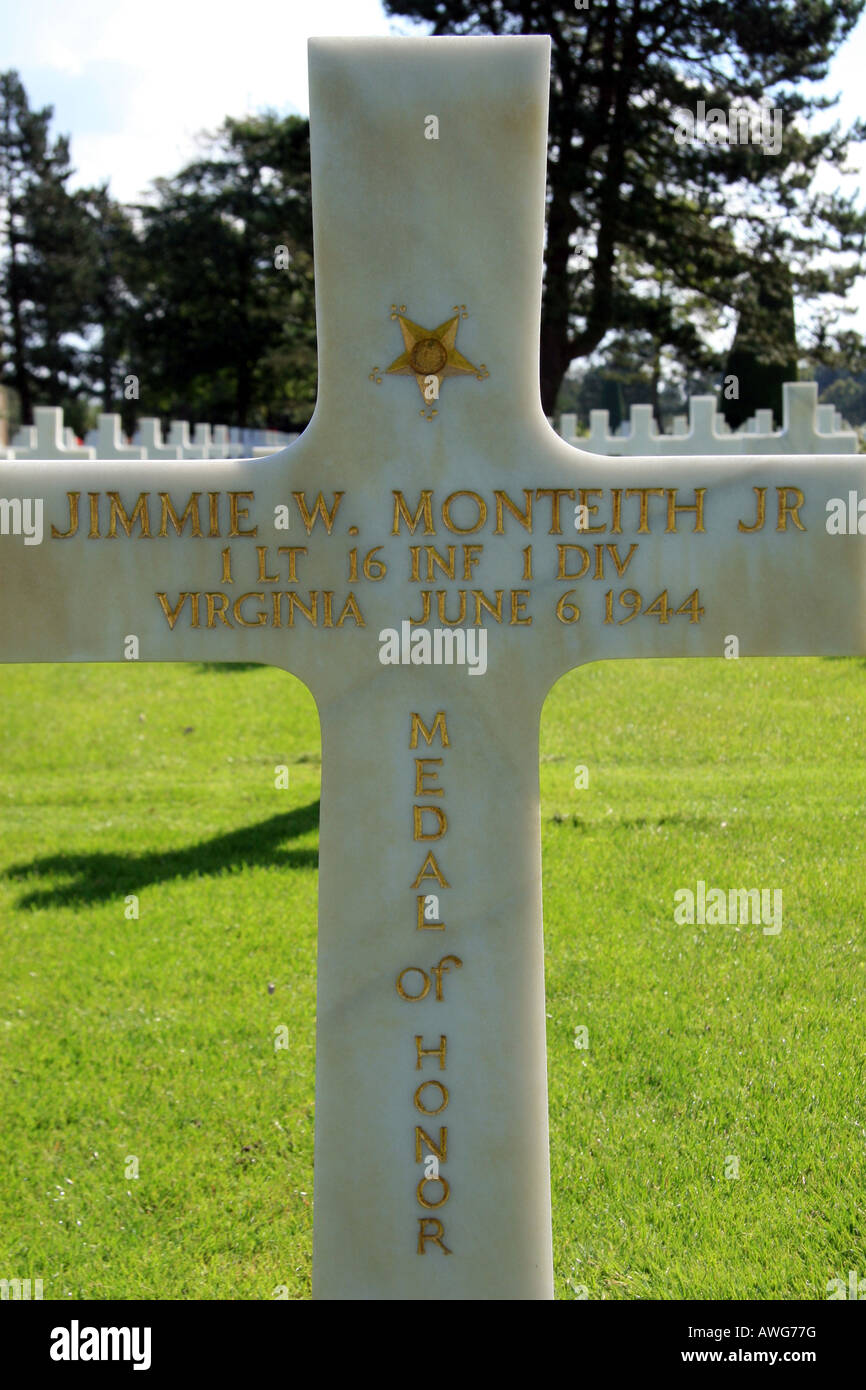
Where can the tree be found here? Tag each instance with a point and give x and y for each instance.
(111, 251)
(848, 395)
(43, 275)
(841, 377)
(224, 323)
(764, 352)
(703, 214)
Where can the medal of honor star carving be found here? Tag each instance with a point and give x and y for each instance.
(374, 533)
(430, 355)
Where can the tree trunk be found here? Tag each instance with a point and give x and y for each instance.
(21, 375)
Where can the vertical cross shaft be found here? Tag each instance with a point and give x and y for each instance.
(481, 1063)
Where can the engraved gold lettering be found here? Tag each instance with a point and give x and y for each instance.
(517, 607)
(424, 511)
(436, 1235)
(621, 565)
(425, 607)
(72, 529)
(351, 610)
(644, 493)
(563, 553)
(442, 969)
(524, 517)
(439, 1051)
(761, 497)
(591, 509)
(238, 514)
(791, 509)
(404, 993)
(260, 619)
(421, 774)
(118, 513)
(555, 493)
(430, 869)
(311, 614)
(464, 530)
(440, 1149)
(434, 558)
(446, 1193)
(263, 578)
(217, 607)
(418, 813)
(169, 514)
(442, 600)
(674, 509)
(419, 1100)
(419, 727)
(471, 556)
(172, 614)
(319, 509)
(494, 609)
(566, 611)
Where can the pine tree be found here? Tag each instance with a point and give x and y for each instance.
(44, 277)
(764, 352)
(620, 183)
(224, 324)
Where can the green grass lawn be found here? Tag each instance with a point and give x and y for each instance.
(150, 1041)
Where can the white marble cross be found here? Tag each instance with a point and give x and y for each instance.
(807, 428)
(429, 558)
(108, 443)
(46, 438)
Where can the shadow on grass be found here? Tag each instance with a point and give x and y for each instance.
(607, 824)
(221, 668)
(97, 877)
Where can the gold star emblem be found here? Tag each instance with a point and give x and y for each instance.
(430, 355)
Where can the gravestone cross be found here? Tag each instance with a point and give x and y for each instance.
(429, 558)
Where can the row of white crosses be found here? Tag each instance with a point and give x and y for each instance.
(427, 500)
(807, 428)
(49, 438)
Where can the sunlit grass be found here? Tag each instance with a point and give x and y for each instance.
(148, 1042)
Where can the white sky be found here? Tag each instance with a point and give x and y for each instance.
(132, 82)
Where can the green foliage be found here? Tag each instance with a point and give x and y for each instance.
(181, 292)
(112, 254)
(764, 352)
(627, 374)
(841, 377)
(848, 394)
(45, 271)
(612, 400)
(217, 329)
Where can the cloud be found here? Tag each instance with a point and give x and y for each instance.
(134, 85)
